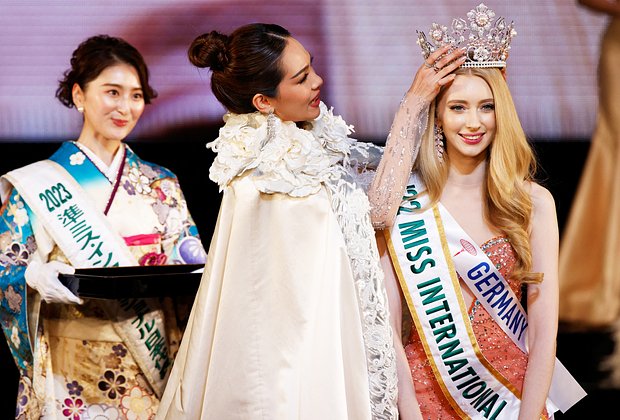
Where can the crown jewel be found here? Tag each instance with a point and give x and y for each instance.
(487, 41)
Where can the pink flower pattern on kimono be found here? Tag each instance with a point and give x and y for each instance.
(153, 258)
(73, 408)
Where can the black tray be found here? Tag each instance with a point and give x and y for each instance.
(135, 281)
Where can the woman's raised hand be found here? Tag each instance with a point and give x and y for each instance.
(435, 72)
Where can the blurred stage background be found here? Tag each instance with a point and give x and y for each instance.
(365, 50)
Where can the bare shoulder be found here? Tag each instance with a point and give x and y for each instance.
(543, 205)
(542, 199)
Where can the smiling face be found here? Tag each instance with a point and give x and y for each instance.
(113, 103)
(466, 112)
(298, 95)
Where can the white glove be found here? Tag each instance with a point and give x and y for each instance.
(43, 277)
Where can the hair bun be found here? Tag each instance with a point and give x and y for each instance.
(209, 50)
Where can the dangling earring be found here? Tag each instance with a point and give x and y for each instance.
(439, 148)
(271, 126)
(80, 109)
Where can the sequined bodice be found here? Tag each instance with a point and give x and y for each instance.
(496, 346)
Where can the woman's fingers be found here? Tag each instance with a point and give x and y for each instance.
(435, 55)
(436, 71)
(442, 61)
(451, 66)
(448, 58)
(445, 80)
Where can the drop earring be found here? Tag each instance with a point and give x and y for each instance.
(271, 126)
(439, 146)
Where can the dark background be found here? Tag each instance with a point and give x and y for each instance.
(561, 163)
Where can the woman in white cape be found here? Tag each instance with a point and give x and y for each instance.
(291, 320)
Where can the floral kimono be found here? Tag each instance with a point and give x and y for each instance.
(104, 358)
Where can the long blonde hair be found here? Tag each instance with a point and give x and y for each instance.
(510, 163)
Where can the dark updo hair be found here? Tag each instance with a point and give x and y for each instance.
(243, 64)
(96, 54)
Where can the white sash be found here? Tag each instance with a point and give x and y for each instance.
(430, 285)
(69, 216)
(422, 246)
(88, 240)
(494, 293)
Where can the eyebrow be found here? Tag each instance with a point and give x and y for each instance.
(463, 101)
(305, 68)
(120, 86)
(300, 72)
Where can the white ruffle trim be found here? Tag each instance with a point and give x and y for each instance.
(294, 162)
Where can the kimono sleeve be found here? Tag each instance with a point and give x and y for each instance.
(17, 244)
(180, 240)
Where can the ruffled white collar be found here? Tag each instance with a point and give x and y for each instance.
(295, 162)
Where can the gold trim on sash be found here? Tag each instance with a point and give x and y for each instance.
(418, 324)
(464, 310)
(564, 391)
(454, 283)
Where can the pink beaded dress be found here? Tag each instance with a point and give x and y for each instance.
(496, 346)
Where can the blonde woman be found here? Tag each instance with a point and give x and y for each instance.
(472, 231)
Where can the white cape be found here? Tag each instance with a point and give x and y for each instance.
(275, 331)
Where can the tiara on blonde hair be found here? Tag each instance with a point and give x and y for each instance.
(487, 41)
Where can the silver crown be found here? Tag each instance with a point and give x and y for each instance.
(487, 41)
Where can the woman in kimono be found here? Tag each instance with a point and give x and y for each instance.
(94, 203)
(463, 234)
(291, 319)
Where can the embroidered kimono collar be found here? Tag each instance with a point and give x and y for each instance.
(111, 172)
(294, 162)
